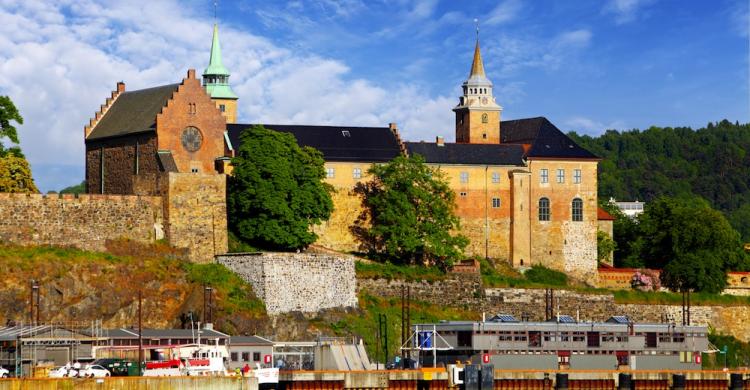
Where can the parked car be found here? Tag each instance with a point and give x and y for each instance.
(4, 373)
(94, 371)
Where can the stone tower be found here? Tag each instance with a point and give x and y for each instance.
(216, 82)
(477, 113)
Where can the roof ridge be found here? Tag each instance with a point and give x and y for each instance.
(173, 85)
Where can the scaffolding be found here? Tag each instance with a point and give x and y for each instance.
(425, 339)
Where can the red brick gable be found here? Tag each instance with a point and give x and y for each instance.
(190, 105)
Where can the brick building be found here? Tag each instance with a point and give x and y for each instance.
(526, 193)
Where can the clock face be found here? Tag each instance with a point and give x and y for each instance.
(191, 139)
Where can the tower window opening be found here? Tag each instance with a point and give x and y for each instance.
(222, 108)
(577, 210)
(485, 119)
(544, 212)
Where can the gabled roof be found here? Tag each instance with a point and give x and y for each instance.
(128, 333)
(452, 153)
(249, 340)
(133, 112)
(546, 140)
(337, 143)
(603, 215)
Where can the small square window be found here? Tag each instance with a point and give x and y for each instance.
(495, 177)
(194, 170)
(256, 356)
(464, 177)
(495, 203)
(577, 176)
(346, 133)
(561, 176)
(330, 173)
(544, 175)
(357, 173)
(245, 356)
(462, 194)
(222, 108)
(234, 356)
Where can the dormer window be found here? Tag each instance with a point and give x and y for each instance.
(346, 133)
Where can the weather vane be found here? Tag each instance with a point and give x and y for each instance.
(216, 4)
(476, 22)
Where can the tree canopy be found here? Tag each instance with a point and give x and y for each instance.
(9, 114)
(692, 243)
(276, 191)
(711, 163)
(15, 175)
(409, 214)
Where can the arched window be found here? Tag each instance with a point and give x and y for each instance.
(544, 209)
(577, 209)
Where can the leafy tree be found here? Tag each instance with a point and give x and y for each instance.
(626, 233)
(693, 244)
(605, 245)
(15, 175)
(277, 191)
(9, 114)
(75, 189)
(409, 214)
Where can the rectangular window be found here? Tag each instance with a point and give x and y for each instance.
(495, 203)
(222, 108)
(495, 177)
(245, 356)
(234, 356)
(462, 194)
(577, 176)
(357, 173)
(544, 177)
(330, 173)
(561, 176)
(256, 356)
(464, 177)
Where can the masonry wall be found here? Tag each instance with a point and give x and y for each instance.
(125, 159)
(303, 282)
(86, 221)
(196, 214)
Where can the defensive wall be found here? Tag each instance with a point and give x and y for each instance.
(189, 213)
(465, 290)
(304, 282)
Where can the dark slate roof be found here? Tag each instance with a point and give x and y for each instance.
(166, 161)
(546, 140)
(337, 143)
(249, 340)
(451, 153)
(133, 112)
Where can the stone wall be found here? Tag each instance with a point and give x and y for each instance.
(85, 221)
(196, 214)
(303, 282)
(465, 291)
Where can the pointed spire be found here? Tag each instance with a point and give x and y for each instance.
(477, 67)
(216, 76)
(215, 65)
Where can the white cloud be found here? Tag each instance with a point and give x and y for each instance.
(515, 52)
(60, 60)
(625, 11)
(504, 12)
(585, 125)
(739, 16)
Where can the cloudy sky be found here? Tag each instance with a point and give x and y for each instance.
(587, 65)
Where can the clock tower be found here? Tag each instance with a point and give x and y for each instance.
(477, 113)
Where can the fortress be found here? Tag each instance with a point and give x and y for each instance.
(526, 193)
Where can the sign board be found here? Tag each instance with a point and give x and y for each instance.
(267, 375)
(486, 358)
(698, 358)
(267, 359)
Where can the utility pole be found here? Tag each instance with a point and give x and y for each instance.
(404, 329)
(140, 333)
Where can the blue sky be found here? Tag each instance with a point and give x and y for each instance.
(586, 65)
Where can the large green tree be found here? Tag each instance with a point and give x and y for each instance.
(409, 214)
(276, 191)
(9, 114)
(694, 244)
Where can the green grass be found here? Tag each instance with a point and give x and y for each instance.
(544, 275)
(738, 353)
(669, 298)
(237, 245)
(501, 274)
(237, 294)
(390, 271)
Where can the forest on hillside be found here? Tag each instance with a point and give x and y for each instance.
(711, 162)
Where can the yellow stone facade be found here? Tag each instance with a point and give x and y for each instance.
(478, 126)
(230, 108)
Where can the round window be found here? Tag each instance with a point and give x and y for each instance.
(191, 139)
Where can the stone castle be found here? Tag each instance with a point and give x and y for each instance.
(526, 193)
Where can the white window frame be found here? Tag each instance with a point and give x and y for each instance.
(577, 176)
(357, 173)
(496, 177)
(544, 175)
(561, 176)
(464, 177)
(330, 172)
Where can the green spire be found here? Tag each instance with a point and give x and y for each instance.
(216, 76)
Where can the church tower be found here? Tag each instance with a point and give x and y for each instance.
(477, 113)
(216, 82)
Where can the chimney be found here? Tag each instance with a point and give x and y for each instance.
(191, 73)
(120, 86)
(393, 126)
(440, 141)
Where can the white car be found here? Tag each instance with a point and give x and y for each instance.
(95, 371)
(4, 373)
(62, 372)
